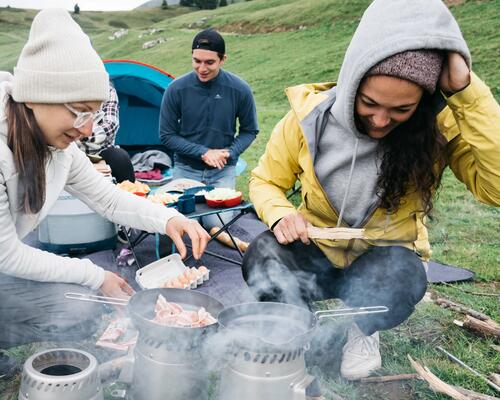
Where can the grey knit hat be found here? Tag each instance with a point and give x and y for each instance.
(422, 67)
(58, 63)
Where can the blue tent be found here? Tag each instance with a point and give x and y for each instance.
(140, 90)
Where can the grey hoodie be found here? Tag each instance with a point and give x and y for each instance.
(345, 160)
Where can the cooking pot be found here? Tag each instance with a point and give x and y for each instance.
(141, 310)
(268, 325)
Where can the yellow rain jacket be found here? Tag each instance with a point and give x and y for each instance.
(471, 124)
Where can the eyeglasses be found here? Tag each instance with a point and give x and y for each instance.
(83, 117)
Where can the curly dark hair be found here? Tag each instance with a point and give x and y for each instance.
(413, 158)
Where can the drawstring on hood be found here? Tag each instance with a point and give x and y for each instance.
(346, 195)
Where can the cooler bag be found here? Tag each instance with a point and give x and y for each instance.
(72, 227)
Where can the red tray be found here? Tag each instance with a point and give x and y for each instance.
(225, 203)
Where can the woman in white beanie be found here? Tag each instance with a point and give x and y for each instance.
(50, 102)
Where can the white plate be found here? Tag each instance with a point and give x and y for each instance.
(179, 185)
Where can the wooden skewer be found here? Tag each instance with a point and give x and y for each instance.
(335, 233)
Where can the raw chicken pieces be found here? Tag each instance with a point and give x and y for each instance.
(172, 314)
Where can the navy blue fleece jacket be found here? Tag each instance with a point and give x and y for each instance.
(197, 116)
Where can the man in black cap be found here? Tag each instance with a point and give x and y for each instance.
(199, 112)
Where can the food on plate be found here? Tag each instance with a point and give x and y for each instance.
(134, 187)
(172, 314)
(189, 278)
(224, 238)
(164, 198)
(219, 194)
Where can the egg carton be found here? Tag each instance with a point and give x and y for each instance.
(171, 271)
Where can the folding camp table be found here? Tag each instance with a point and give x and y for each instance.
(201, 210)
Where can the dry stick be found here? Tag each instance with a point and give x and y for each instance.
(470, 291)
(495, 378)
(389, 378)
(464, 365)
(445, 303)
(473, 395)
(314, 232)
(486, 329)
(435, 383)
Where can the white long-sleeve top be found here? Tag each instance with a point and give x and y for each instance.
(69, 170)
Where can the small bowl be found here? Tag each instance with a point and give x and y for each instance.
(225, 203)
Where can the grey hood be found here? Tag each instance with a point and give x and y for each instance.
(389, 27)
(346, 161)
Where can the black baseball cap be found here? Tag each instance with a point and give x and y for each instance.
(209, 39)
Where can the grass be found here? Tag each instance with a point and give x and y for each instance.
(278, 43)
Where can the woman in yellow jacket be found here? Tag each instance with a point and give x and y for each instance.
(369, 153)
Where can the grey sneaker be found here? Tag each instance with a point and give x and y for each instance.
(360, 355)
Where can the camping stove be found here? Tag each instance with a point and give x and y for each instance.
(61, 374)
(165, 370)
(279, 375)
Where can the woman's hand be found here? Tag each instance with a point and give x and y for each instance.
(455, 75)
(115, 286)
(291, 228)
(178, 226)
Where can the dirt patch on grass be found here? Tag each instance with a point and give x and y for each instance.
(245, 27)
(386, 391)
(454, 2)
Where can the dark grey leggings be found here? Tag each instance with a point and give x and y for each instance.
(37, 311)
(300, 274)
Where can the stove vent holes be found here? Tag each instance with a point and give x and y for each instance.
(278, 358)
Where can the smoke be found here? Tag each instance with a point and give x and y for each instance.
(273, 272)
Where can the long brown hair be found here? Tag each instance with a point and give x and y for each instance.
(413, 157)
(27, 143)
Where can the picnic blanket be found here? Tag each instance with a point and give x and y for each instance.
(226, 281)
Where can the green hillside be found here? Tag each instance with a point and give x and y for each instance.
(278, 43)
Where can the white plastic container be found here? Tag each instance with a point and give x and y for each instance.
(158, 273)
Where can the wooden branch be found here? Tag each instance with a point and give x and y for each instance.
(389, 378)
(473, 395)
(435, 383)
(488, 328)
(459, 308)
(335, 233)
(495, 378)
(470, 291)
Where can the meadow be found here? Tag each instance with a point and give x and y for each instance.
(273, 44)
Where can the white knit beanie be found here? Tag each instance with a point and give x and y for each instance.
(58, 63)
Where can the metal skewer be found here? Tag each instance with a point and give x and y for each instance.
(96, 299)
(462, 364)
(341, 312)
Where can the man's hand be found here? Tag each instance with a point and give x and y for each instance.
(455, 75)
(178, 226)
(216, 158)
(115, 286)
(291, 228)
